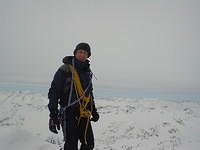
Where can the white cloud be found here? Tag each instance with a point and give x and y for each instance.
(134, 43)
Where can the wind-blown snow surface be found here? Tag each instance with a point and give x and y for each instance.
(125, 124)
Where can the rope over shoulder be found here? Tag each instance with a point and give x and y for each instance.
(84, 100)
(84, 112)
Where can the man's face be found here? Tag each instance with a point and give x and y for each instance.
(81, 55)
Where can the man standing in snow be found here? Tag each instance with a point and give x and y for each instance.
(71, 88)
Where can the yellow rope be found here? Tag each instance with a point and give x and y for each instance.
(85, 134)
(79, 90)
(84, 112)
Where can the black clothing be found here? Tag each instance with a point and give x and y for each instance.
(60, 86)
(75, 131)
(59, 94)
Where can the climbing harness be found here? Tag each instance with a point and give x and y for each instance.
(83, 100)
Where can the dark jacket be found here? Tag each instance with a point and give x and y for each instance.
(60, 86)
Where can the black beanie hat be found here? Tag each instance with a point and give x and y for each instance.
(83, 46)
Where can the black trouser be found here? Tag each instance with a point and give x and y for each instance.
(77, 130)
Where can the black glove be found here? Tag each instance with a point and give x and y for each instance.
(54, 121)
(53, 124)
(95, 116)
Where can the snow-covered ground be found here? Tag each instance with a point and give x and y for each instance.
(125, 124)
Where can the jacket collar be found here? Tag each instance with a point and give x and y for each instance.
(79, 65)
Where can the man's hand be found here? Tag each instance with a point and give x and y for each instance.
(53, 124)
(95, 116)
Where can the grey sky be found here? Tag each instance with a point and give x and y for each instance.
(139, 44)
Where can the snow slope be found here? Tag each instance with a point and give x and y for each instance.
(125, 124)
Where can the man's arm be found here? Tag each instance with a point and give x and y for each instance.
(93, 102)
(95, 114)
(55, 92)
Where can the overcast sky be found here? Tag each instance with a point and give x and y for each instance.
(138, 44)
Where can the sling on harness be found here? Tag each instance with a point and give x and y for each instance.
(84, 112)
(79, 91)
(83, 100)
